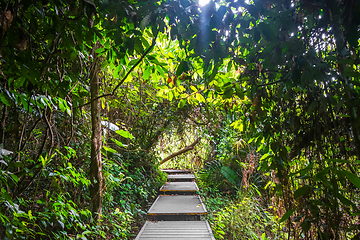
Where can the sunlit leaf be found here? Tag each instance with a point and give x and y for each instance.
(108, 149)
(200, 98)
(120, 144)
(181, 103)
(124, 134)
(147, 72)
(193, 88)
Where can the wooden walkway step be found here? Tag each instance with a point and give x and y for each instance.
(175, 171)
(181, 188)
(181, 177)
(177, 208)
(176, 230)
(177, 217)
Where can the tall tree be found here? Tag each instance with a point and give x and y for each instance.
(96, 179)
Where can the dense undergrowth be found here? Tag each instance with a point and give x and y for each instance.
(240, 217)
(53, 213)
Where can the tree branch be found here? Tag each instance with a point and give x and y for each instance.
(184, 150)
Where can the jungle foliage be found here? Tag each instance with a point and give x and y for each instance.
(271, 87)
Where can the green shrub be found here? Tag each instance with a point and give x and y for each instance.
(241, 218)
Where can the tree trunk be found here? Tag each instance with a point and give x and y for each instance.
(96, 161)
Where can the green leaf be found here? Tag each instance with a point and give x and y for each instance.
(229, 174)
(268, 32)
(217, 89)
(100, 50)
(124, 134)
(193, 88)
(14, 177)
(181, 103)
(3, 98)
(62, 105)
(301, 191)
(321, 174)
(138, 46)
(16, 164)
(355, 214)
(133, 62)
(287, 215)
(5, 195)
(239, 91)
(200, 97)
(147, 72)
(305, 225)
(183, 67)
(108, 149)
(145, 21)
(117, 71)
(352, 178)
(351, 72)
(344, 200)
(19, 82)
(265, 156)
(228, 93)
(120, 144)
(170, 96)
(25, 103)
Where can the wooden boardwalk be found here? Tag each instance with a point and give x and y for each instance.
(177, 208)
(176, 171)
(181, 177)
(177, 217)
(176, 230)
(179, 188)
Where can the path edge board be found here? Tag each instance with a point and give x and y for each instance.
(141, 231)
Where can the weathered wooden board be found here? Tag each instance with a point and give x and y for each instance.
(176, 230)
(179, 188)
(181, 177)
(177, 208)
(176, 171)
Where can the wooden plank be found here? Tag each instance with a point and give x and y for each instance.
(187, 207)
(175, 171)
(179, 188)
(181, 177)
(176, 230)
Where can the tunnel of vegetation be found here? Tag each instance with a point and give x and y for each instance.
(262, 95)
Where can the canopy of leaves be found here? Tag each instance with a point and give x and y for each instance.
(282, 74)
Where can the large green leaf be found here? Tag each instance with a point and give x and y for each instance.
(3, 98)
(120, 144)
(183, 67)
(229, 175)
(352, 178)
(287, 215)
(109, 149)
(124, 134)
